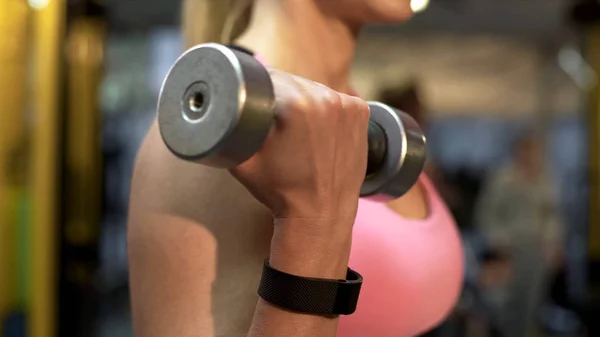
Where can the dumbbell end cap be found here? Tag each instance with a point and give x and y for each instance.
(405, 157)
(215, 106)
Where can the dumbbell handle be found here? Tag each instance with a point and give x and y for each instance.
(377, 148)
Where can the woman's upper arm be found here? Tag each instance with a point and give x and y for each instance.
(172, 268)
(196, 241)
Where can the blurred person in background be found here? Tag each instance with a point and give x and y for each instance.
(518, 215)
(198, 239)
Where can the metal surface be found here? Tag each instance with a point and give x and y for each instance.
(216, 106)
(405, 153)
(377, 148)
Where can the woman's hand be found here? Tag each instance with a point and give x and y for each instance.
(309, 173)
(314, 160)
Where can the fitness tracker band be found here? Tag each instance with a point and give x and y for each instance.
(310, 295)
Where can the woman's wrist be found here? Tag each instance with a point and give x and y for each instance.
(312, 247)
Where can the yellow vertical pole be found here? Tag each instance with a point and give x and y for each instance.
(593, 118)
(13, 70)
(83, 149)
(82, 189)
(49, 21)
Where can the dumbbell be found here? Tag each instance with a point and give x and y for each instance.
(216, 107)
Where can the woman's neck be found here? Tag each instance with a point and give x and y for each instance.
(297, 36)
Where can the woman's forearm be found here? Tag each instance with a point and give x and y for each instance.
(297, 250)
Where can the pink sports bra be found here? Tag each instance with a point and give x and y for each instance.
(412, 269)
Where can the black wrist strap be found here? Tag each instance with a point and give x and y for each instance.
(310, 295)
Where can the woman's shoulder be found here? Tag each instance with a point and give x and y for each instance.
(168, 185)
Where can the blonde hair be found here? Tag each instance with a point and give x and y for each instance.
(220, 21)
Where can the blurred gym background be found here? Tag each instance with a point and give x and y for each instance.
(78, 85)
